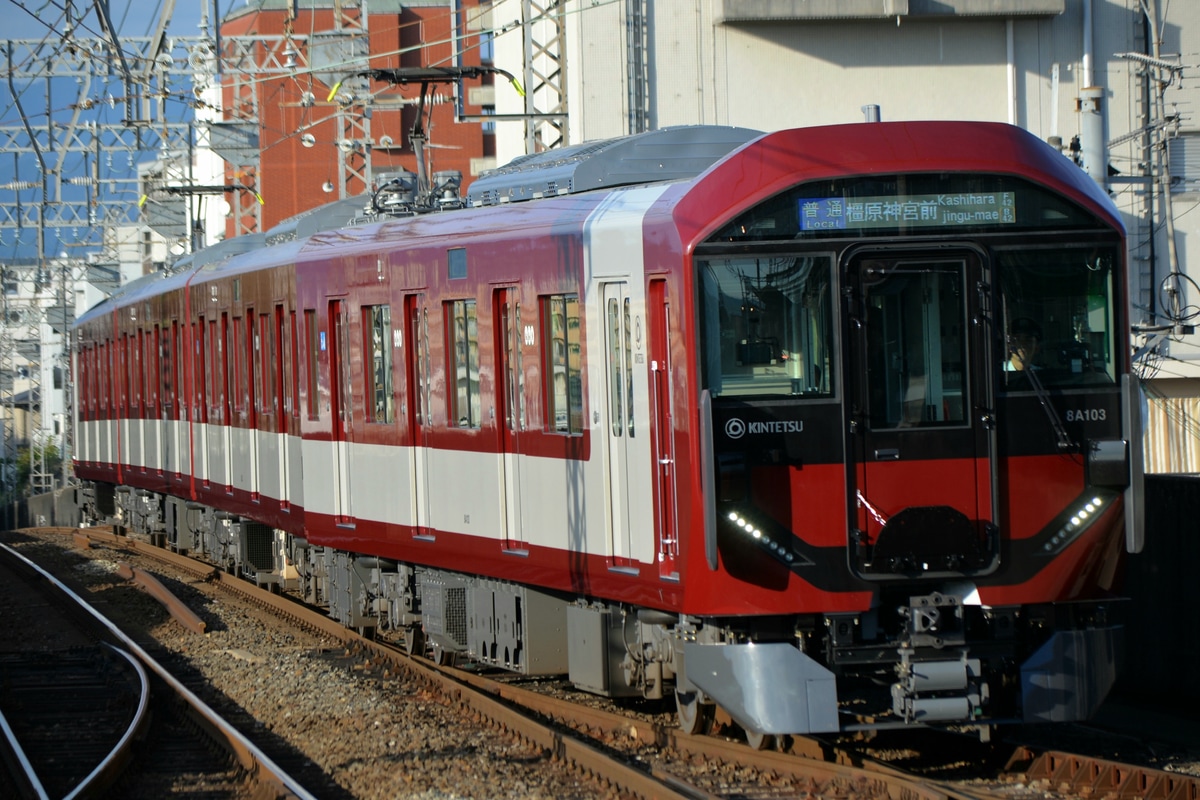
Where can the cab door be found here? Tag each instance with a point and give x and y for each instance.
(920, 405)
(662, 401)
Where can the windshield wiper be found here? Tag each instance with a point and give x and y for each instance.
(1060, 431)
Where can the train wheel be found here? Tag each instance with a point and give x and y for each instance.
(760, 741)
(441, 656)
(414, 642)
(695, 717)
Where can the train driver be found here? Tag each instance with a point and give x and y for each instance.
(1024, 339)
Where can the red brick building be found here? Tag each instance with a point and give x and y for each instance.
(281, 61)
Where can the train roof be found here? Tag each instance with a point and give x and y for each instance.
(676, 153)
(782, 159)
(333, 215)
(735, 176)
(129, 293)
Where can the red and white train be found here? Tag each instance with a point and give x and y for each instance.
(831, 427)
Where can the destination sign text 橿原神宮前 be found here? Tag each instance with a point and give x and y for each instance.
(923, 210)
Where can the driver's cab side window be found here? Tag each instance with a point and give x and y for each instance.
(1056, 316)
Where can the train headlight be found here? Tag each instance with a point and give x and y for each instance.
(771, 538)
(1086, 512)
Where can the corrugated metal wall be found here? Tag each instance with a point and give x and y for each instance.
(1172, 442)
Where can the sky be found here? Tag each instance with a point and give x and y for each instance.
(46, 22)
(33, 19)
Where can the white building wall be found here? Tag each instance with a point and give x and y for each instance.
(825, 73)
(596, 73)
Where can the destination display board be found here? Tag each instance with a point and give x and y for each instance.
(945, 210)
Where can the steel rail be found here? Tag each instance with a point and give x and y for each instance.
(248, 755)
(108, 767)
(574, 750)
(32, 781)
(112, 764)
(1080, 773)
(887, 784)
(569, 749)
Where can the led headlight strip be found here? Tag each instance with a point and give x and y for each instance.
(1078, 519)
(771, 543)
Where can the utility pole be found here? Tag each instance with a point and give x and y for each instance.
(1161, 72)
(90, 103)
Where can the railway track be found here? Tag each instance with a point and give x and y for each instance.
(629, 756)
(99, 694)
(76, 695)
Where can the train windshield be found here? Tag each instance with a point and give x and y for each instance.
(767, 324)
(1058, 316)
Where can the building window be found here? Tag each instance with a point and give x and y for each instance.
(377, 323)
(464, 348)
(564, 389)
(1184, 153)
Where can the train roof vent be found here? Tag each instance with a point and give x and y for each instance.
(669, 154)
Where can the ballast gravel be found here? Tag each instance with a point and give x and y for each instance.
(375, 734)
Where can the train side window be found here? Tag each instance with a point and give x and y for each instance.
(105, 370)
(153, 374)
(237, 357)
(767, 325)
(465, 402)
(277, 372)
(202, 371)
(128, 345)
(264, 359)
(213, 370)
(561, 358)
(111, 377)
(313, 337)
(149, 373)
(377, 331)
(253, 377)
(293, 401)
(171, 343)
(139, 376)
(222, 365)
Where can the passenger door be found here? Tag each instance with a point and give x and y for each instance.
(341, 411)
(630, 497)
(416, 409)
(510, 378)
(920, 400)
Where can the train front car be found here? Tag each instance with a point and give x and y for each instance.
(917, 432)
